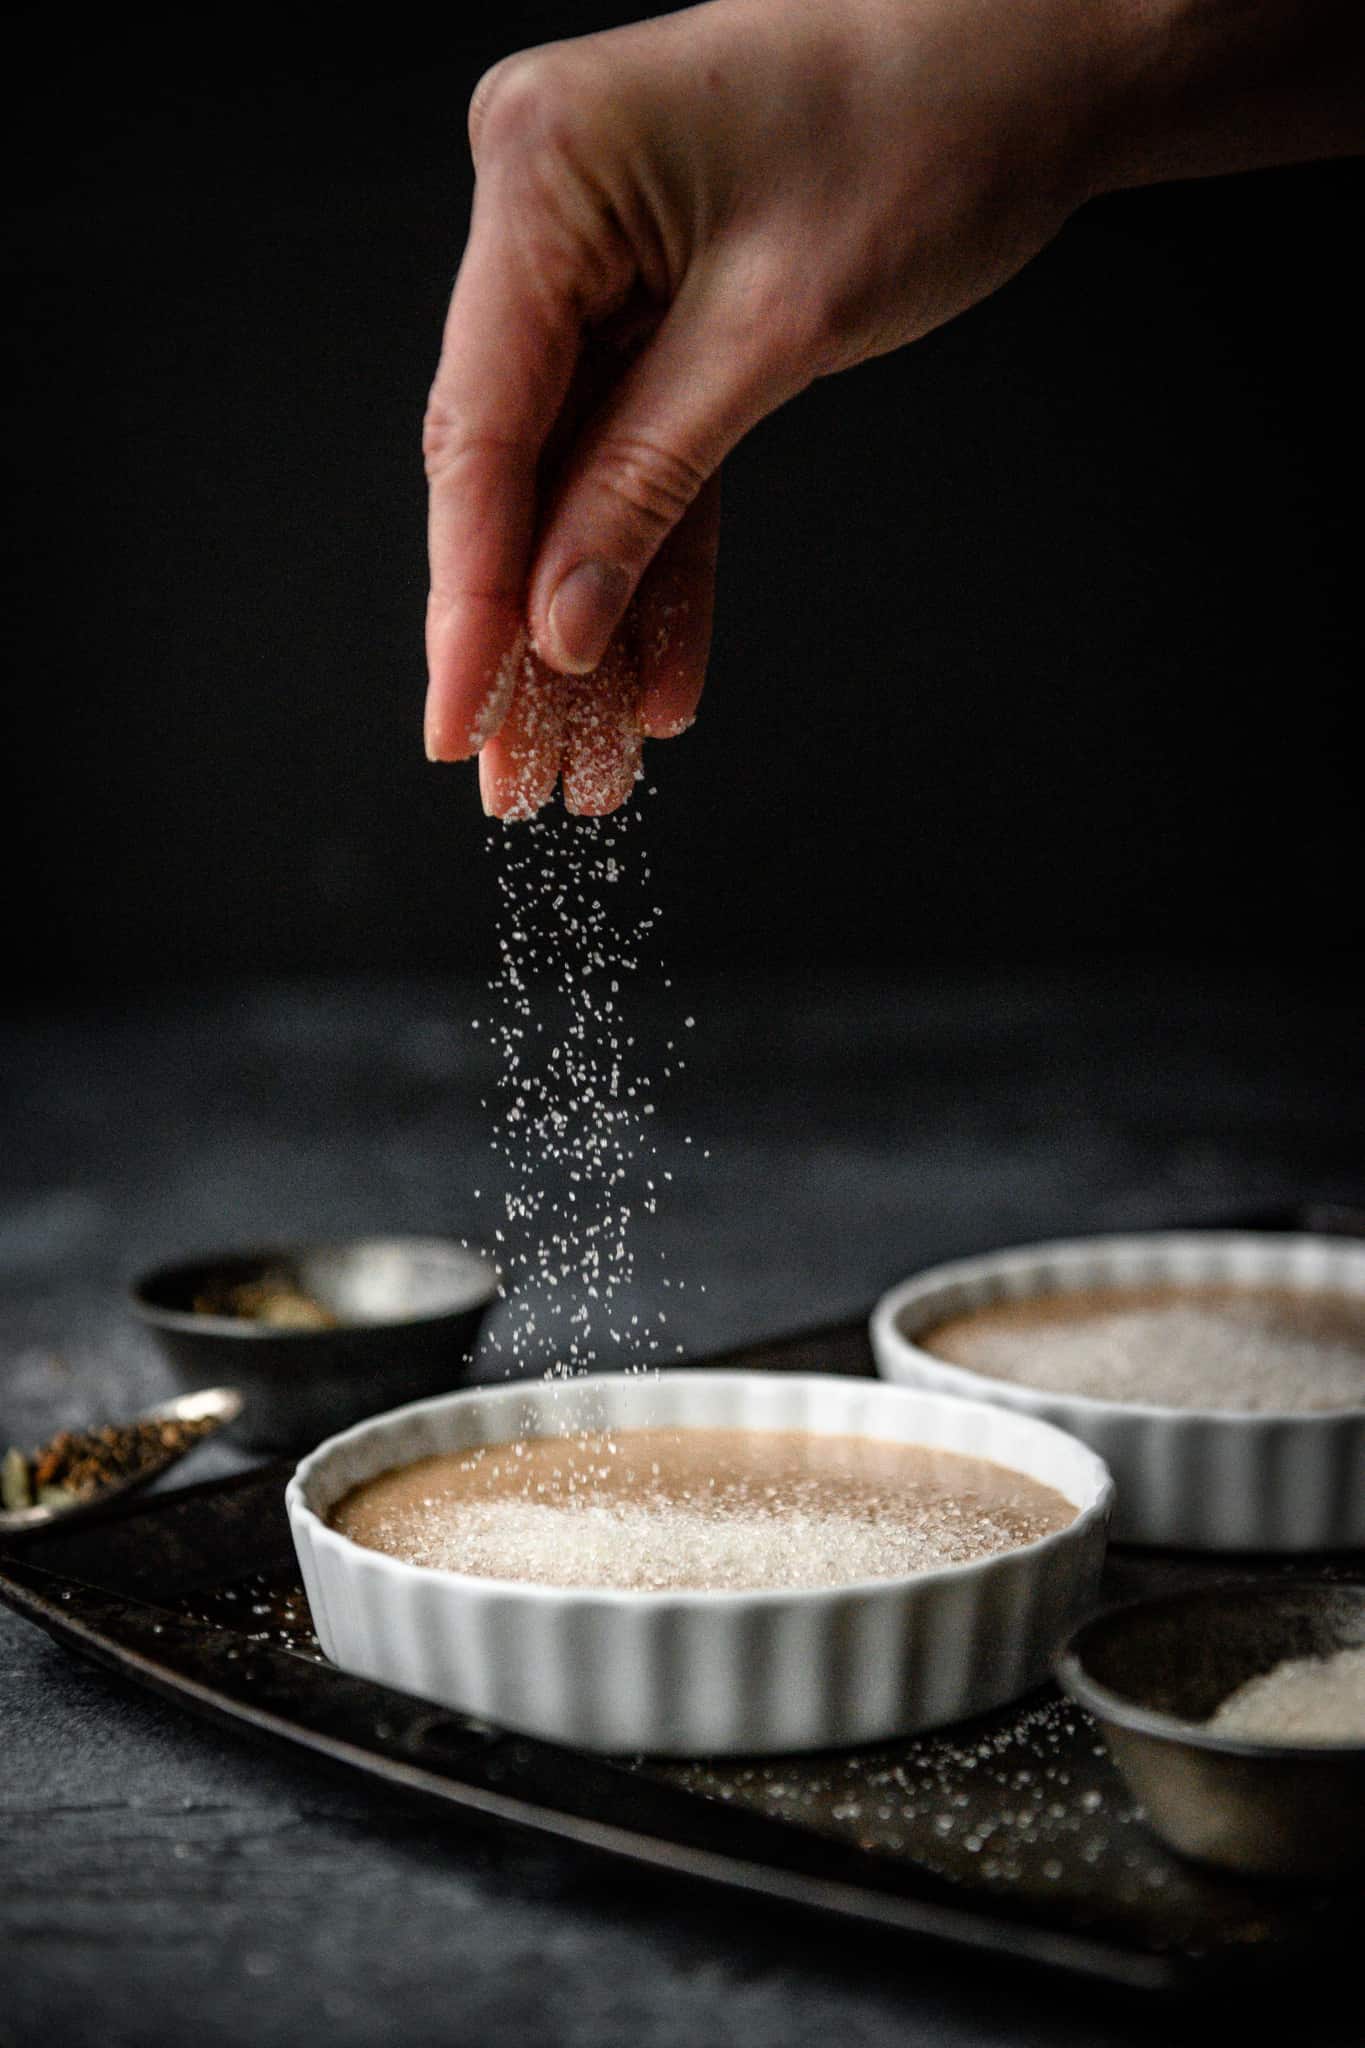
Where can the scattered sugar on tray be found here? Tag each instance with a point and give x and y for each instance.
(1028, 1798)
(998, 1785)
(1301, 1699)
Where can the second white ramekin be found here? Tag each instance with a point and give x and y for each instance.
(1187, 1478)
(692, 1673)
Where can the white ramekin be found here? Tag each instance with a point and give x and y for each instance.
(692, 1673)
(1189, 1478)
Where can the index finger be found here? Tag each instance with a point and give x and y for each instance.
(507, 357)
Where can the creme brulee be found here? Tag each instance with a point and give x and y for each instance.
(672, 1509)
(1256, 1350)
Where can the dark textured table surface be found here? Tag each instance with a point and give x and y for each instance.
(165, 1882)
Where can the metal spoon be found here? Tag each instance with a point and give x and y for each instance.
(216, 1406)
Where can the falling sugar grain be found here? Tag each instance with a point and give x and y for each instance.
(573, 1137)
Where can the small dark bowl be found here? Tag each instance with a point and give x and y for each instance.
(407, 1313)
(1153, 1672)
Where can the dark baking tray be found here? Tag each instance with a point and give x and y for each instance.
(1010, 1833)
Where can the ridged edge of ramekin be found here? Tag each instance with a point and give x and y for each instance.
(696, 1673)
(1187, 1478)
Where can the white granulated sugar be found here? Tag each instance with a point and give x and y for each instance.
(1302, 1699)
(1178, 1356)
(1028, 1799)
(575, 1095)
(656, 1546)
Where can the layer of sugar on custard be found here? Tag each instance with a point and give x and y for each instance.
(1253, 1349)
(669, 1509)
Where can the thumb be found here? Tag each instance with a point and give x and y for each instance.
(713, 369)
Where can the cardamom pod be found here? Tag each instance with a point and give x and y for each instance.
(16, 1490)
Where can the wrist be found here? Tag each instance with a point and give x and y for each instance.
(1195, 88)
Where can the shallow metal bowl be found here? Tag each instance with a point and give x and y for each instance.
(1153, 1672)
(407, 1311)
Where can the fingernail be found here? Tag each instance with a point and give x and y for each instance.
(429, 734)
(505, 804)
(584, 613)
(657, 726)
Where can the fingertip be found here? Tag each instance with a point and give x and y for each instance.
(662, 720)
(675, 640)
(474, 662)
(674, 609)
(519, 764)
(593, 787)
(510, 798)
(604, 740)
(443, 746)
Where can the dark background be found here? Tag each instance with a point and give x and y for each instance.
(1041, 637)
(1037, 648)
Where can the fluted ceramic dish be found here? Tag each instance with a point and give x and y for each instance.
(697, 1672)
(1188, 1478)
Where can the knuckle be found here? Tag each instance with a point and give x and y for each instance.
(441, 438)
(449, 444)
(654, 483)
(544, 144)
(523, 102)
(848, 310)
(796, 316)
(499, 80)
(775, 314)
(437, 434)
(840, 326)
(483, 94)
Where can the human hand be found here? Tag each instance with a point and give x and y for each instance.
(679, 225)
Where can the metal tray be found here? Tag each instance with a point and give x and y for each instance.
(1011, 1833)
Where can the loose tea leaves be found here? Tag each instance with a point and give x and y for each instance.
(78, 1464)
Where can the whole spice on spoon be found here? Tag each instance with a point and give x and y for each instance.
(78, 1464)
